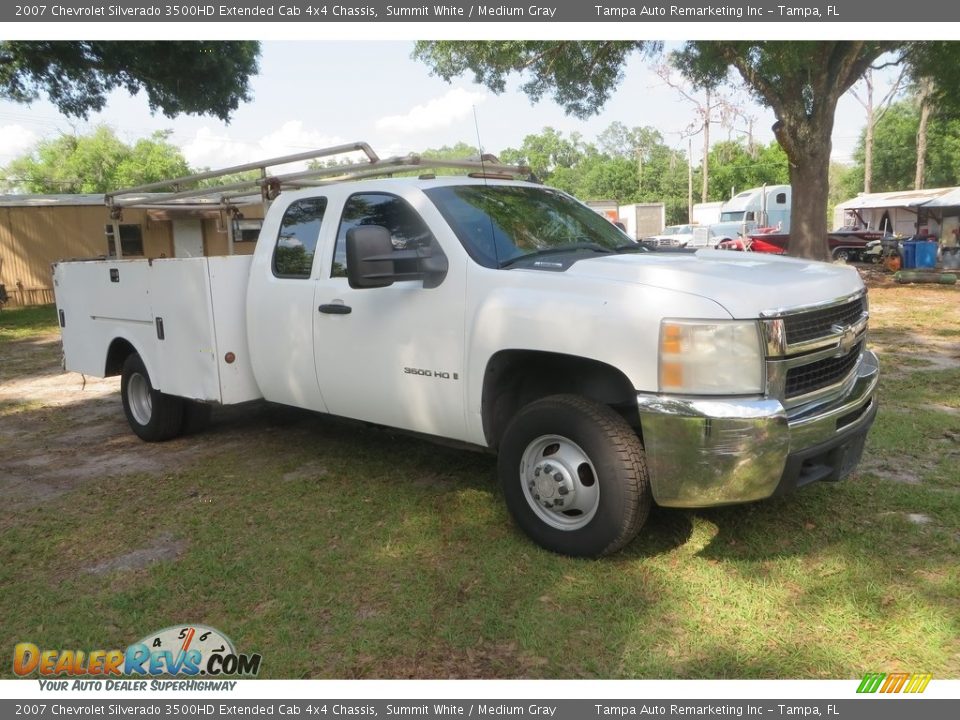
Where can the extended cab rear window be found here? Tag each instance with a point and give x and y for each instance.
(297, 239)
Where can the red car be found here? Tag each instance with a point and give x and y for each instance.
(845, 244)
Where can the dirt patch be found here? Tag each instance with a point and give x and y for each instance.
(60, 430)
(163, 547)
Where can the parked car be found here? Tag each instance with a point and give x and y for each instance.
(672, 236)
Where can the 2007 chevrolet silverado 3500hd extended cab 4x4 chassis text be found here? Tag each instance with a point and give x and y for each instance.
(505, 315)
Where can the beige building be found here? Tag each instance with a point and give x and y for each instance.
(38, 230)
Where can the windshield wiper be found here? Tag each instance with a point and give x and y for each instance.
(571, 247)
(632, 248)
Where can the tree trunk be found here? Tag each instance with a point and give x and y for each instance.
(808, 221)
(808, 151)
(923, 97)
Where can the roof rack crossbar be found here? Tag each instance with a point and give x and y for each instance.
(261, 165)
(266, 186)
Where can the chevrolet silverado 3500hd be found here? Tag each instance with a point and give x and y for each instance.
(509, 316)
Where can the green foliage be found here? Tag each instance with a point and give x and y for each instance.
(895, 151)
(580, 76)
(609, 169)
(734, 167)
(845, 183)
(182, 77)
(94, 163)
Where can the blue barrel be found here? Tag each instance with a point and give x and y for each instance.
(910, 254)
(926, 254)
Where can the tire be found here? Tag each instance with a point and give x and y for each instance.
(568, 452)
(841, 255)
(152, 415)
(196, 417)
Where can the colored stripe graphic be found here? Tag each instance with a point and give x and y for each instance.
(871, 682)
(894, 682)
(918, 683)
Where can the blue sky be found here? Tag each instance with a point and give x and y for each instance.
(314, 93)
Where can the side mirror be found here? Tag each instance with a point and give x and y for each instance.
(373, 262)
(369, 261)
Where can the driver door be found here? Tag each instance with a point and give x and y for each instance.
(391, 355)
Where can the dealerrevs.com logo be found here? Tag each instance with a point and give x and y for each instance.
(177, 651)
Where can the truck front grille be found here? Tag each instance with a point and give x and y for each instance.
(813, 324)
(805, 379)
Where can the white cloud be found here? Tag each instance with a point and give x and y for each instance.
(15, 140)
(455, 106)
(214, 149)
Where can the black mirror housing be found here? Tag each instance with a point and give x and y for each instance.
(373, 262)
(369, 264)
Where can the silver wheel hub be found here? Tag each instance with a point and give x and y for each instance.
(559, 482)
(139, 398)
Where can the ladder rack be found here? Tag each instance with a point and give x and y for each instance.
(266, 187)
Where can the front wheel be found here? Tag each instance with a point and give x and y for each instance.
(152, 415)
(573, 476)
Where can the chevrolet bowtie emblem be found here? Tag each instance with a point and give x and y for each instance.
(848, 338)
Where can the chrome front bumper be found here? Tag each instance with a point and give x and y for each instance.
(704, 452)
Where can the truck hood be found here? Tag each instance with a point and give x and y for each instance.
(744, 284)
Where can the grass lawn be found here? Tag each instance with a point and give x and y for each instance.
(337, 550)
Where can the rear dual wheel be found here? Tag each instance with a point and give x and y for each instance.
(574, 477)
(155, 416)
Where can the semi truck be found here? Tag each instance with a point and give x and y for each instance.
(767, 206)
(503, 315)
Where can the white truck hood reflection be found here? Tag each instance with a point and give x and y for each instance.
(745, 284)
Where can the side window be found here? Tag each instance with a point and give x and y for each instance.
(131, 240)
(781, 198)
(407, 228)
(297, 239)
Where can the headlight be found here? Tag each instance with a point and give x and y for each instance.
(711, 357)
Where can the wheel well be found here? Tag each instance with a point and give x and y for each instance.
(515, 378)
(119, 351)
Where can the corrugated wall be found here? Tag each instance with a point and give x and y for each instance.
(32, 238)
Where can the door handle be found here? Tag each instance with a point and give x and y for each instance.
(335, 309)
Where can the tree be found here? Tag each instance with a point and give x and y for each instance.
(800, 81)
(178, 77)
(580, 75)
(895, 154)
(94, 163)
(546, 152)
(713, 108)
(609, 169)
(874, 111)
(734, 168)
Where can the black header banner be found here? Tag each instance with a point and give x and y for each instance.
(549, 11)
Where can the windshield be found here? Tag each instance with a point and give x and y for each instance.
(677, 230)
(731, 216)
(498, 224)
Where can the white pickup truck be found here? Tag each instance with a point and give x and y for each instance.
(511, 317)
